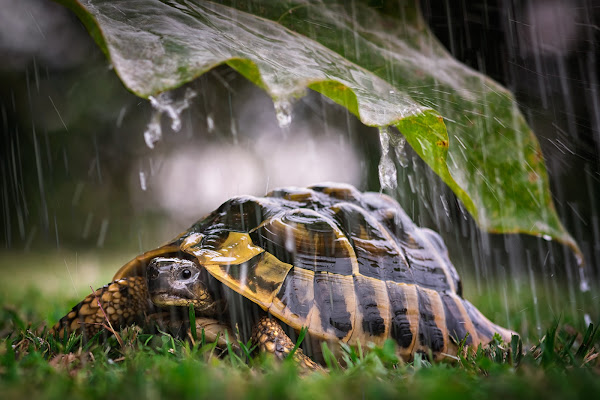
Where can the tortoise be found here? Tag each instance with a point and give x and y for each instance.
(349, 266)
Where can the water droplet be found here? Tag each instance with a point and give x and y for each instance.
(77, 194)
(87, 226)
(143, 180)
(445, 205)
(102, 234)
(234, 133)
(579, 259)
(547, 237)
(210, 123)
(387, 168)
(463, 210)
(153, 131)
(121, 116)
(584, 286)
(290, 243)
(400, 150)
(164, 103)
(283, 109)
(533, 288)
(587, 319)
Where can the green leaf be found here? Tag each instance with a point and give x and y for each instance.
(382, 64)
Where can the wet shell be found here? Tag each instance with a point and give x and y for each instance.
(350, 266)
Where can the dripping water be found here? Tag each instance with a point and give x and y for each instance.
(143, 184)
(400, 151)
(532, 282)
(153, 131)
(283, 111)
(210, 123)
(387, 169)
(166, 103)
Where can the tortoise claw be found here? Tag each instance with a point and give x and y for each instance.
(269, 337)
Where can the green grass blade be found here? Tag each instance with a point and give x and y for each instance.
(301, 335)
(192, 316)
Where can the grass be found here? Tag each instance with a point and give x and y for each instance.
(561, 362)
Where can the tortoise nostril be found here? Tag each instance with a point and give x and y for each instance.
(152, 273)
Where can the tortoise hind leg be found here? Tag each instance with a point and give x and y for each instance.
(269, 337)
(124, 302)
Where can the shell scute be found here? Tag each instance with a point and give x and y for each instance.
(376, 254)
(307, 240)
(404, 315)
(295, 298)
(338, 191)
(239, 214)
(373, 308)
(432, 322)
(458, 324)
(336, 302)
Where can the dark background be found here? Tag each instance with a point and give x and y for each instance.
(72, 140)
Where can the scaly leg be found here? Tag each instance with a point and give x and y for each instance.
(269, 337)
(124, 302)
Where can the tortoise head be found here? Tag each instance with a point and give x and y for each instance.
(180, 282)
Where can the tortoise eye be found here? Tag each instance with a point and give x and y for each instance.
(186, 274)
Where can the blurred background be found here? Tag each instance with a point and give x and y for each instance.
(81, 192)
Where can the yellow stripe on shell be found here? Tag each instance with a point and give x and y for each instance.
(191, 240)
(346, 282)
(439, 317)
(504, 333)
(236, 249)
(270, 271)
(383, 305)
(308, 295)
(411, 302)
(469, 327)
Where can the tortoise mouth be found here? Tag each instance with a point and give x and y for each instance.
(201, 302)
(169, 299)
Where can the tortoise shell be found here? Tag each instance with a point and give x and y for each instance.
(350, 266)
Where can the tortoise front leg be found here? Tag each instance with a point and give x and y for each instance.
(215, 331)
(123, 302)
(269, 337)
